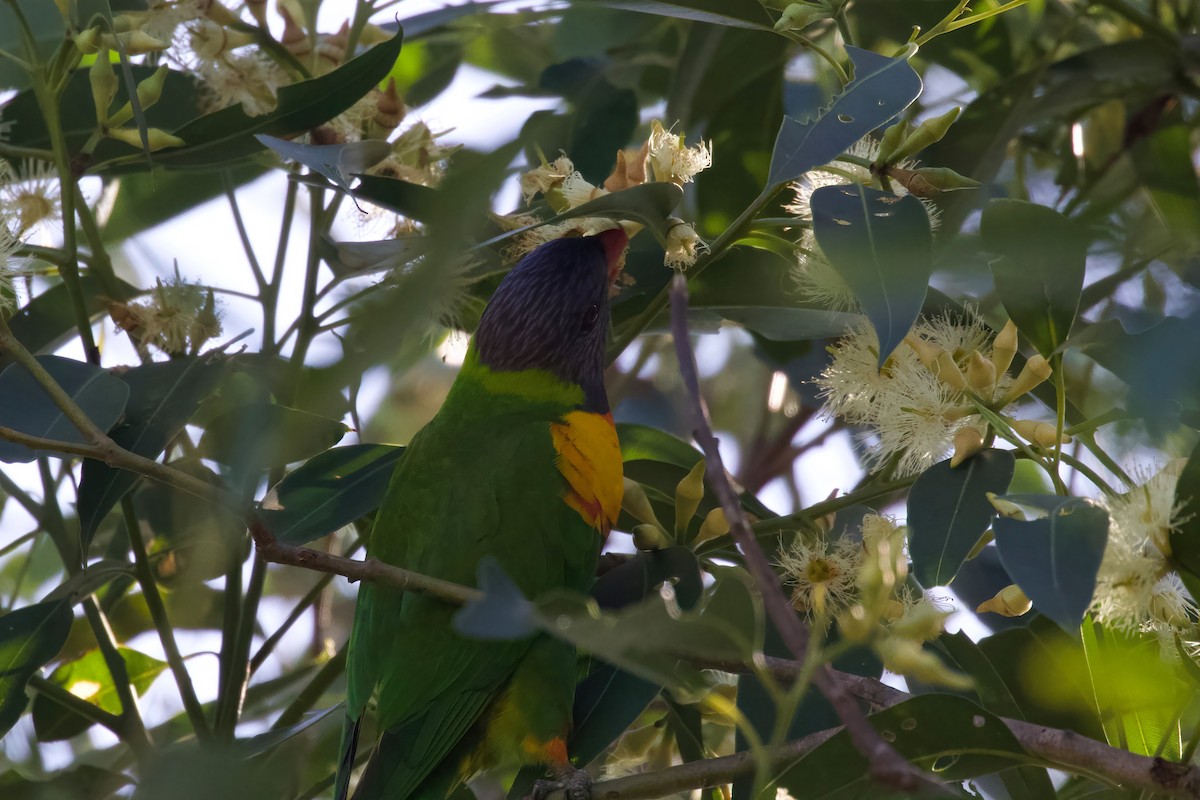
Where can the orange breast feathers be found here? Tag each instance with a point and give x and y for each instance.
(589, 457)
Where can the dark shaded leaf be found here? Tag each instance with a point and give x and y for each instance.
(882, 246)
(1055, 559)
(259, 435)
(948, 512)
(47, 26)
(329, 491)
(162, 398)
(962, 738)
(732, 13)
(780, 324)
(25, 406)
(266, 742)
(1039, 275)
(1185, 536)
(882, 87)
(89, 579)
(47, 321)
(84, 782)
(29, 638)
(411, 200)
(228, 134)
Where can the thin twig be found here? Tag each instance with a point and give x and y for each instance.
(887, 765)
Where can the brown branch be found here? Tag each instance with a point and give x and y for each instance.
(887, 766)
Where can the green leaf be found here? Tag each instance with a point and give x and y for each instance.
(1185, 536)
(90, 579)
(650, 204)
(266, 742)
(48, 321)
(948, 512)
(730, 13)
(412, 200)
(882, 246)
(1028, 782)
(228, 134)
(881, 89)
(1055, 559)
(179, 104)
(25, 406)
(329, 491)
(337, 162)
(653, 638)
(1039, 275)
(259, 435)
(957, 736)
(47, 26)
(1136, 692)
(29, 638)
(162, 398)
(644, 443)
(779, 324)
(83, 782)
(89, 679)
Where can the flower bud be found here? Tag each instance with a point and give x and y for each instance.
(1008, 602)
(981, 375)
(1042, 434)
(799, 16)
(967, 442)
(87, 41)
(104, 85)
(947, 371)
(854, 625)
(688, 494)
(155, 137)
(258, 10)
(1005, 508)
(1004, 348)
(927, 133)
(649, 537)
(921, 622)
(635, 503)
(389, 111)
(210, 40)
(927, 352)
(1036, 371)
(715, 525)
(891, 140)
(908, 658)
(293, 38)
(134, 43)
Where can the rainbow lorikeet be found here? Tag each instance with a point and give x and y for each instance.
(522, 464)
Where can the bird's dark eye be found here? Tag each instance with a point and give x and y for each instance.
(590, 317)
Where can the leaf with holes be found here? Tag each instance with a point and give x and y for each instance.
(957, 736)
(25, 406)
(1039, 274)
(1055, 559)
(882, 246)
(948, 511)
(881, 89)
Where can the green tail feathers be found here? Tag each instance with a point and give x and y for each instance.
(341, 783)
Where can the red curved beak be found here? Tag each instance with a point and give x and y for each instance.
(615, 241)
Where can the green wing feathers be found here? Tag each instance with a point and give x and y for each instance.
(469, 484)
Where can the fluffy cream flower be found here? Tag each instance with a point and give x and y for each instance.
(547, 176)
(683, 246)
(30, 196)
(671, 160)
(822, 574)
(817, 280)
(1136, 588)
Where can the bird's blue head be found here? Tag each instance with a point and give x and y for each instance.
(551, 313)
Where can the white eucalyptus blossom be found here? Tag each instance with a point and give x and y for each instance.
(671, 160)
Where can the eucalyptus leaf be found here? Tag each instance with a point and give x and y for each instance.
(162, 398)
(882, 87)
(329, 491)
(882, 246)
(26, 407)
(337, 162)
(1185, 536)
(30, 637)
(257, 435)
(1039, 274)
(229, 134)
(1055, 560)
(89, 679)
(948, 512)
(730, 13)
